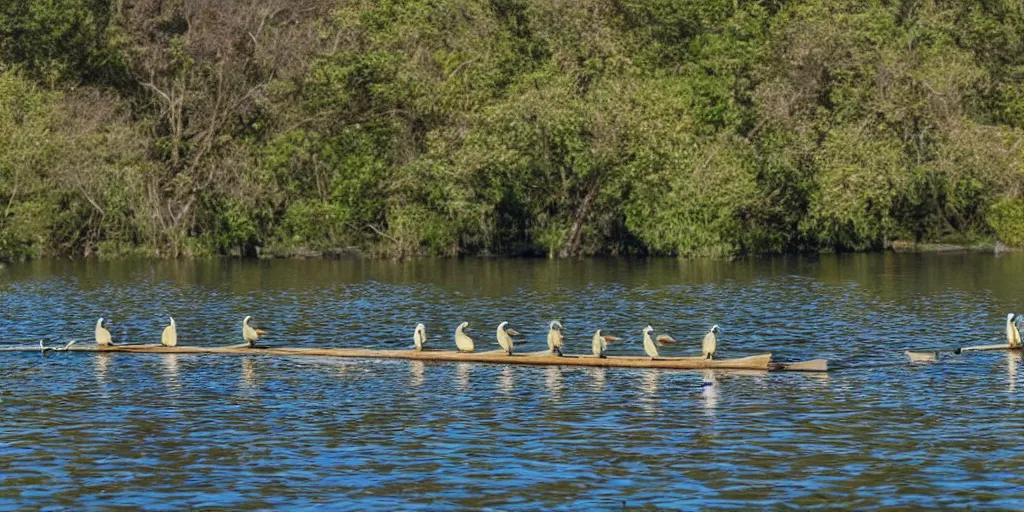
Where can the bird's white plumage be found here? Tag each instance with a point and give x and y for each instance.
(504, 340)
(250, 335)
(419, 336)
(709, 345)
(555, 337)
(102, 334)
(649, 347)
(1012, 332)
(170, 336)
(462, 340)
(599, 345)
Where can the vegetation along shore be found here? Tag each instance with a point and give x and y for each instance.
(404, 128)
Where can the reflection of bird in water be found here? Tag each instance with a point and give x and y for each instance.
(649, 348)
(415, 374)
(102, 334)
(1012, 331)
(248, 372)
(553, 380)
(419, 336)
(598, 374)
(169, 338)
(555, 337)
(709, 389)
(505, 383)
(250, 335)
(504, 336)
(462, 371)
(650, 381)
(170, 364)
(102, 363)
(1011, 369)
(462, 340)
(709, 345)
(599, 344)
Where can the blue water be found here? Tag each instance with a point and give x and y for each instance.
(170, 432)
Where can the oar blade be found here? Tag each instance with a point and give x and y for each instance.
(922, 357)
(814, 365)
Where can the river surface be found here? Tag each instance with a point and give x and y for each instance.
(171, 432)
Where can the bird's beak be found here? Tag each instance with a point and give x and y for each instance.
(612, 338)
(261, 332)
(512, 332)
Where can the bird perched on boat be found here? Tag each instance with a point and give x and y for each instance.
(462, 340)
(250, 335)
(600, 343)
(555, 337)
(1012, 331)
(649, 346)
(419, 336)
(709, 345)
(170, 336)
(102, 334)
(504, 335)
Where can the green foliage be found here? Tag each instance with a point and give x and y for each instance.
(448, 127)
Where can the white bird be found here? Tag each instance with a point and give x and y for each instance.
(709, 345)
(1012, 332)
(419, 336)
(250, 335)
(462, 340)
(555, 337)
(170, 336)
(649, 347)
(102, 335)
(505, 338)
(600, 343)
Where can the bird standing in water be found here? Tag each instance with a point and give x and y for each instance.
(419, 337)
(555, 337)
(649, 347)
(709, 345)
(170, 336)
(250, 335)
(102, 335)
(505, 338)
(462, 340)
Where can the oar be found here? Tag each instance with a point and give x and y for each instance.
(985, 347)
(814, 365)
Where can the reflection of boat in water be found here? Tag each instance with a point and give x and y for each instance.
(756, 362)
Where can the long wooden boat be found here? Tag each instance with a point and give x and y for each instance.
(755, 362)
